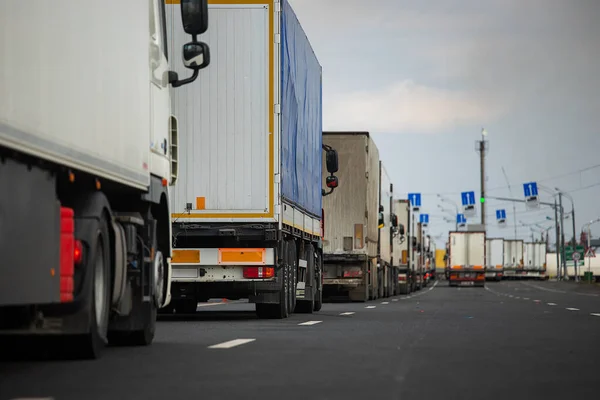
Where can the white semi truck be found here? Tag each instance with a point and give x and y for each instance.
(513, 258)
(351, 225)
(386, 269)
(87, 145)
(467, 259)
(494, 260)
(247, 206)
(534, 260)
(402, 247)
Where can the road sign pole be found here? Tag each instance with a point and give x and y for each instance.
(589, 245)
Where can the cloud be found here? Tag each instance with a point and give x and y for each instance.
(406, 107)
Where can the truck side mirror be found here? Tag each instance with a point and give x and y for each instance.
(331, 159)
(194, 15)
(414, 242)
(196, 55)
(331, 181)
(394, 219)
(401, 230)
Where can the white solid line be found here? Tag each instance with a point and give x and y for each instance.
(231, 343)
(551, 304)
(347, 313)
(385, 302)
(310, 323)
(370, 306)
(595, 314)
(573, 309)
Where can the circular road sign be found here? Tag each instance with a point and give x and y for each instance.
(576, 256)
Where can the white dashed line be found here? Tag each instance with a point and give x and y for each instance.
(347, 313)
(525, 298)
(385, 302)
(394, 299)
(517, 297)
(537, 301)
(370, 306)
(551, 304)
(310, 323)
(510, 295)
(231, 343)
(595, 314)
(573, 309)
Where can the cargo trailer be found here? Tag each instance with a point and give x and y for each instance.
(513, 258)
(247, 204)
(350, 244)
(494, 259)
(386, 225)
(534, 260)
(87, 156)
(402, 247)
(467, 259)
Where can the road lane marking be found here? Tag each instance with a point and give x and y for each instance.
(370, 306)
(394, 299)
(310, 323)
(525, 298)
(517, 297)
(385, 302)
(231, 343)
(551, 304)
(347, 313)
(573, 309)
(595, 314)
(537, 301)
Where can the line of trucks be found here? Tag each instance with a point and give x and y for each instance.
(128, 190)
(472, 259)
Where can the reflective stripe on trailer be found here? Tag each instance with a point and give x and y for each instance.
(224, 256)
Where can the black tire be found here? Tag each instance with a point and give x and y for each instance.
(277, 311)
(293, 275)
(307, 306)
(92, 344)
(318, 283)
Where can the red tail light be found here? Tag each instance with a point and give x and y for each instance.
(67, 254)
(401, 278)
(259, 272)
(78, 252)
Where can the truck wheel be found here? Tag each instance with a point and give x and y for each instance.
(318, 283)
(277, 311)
(92, 343)
(293, 275)
(307, 306)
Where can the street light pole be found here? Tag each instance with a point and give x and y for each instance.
(442, 198)
(481, 147)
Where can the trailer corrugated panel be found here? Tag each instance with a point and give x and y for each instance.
(541, 255)
(529, 256)
(513, 253)
(250, 125)
(351, 211)
(385, 248)
(401, 209)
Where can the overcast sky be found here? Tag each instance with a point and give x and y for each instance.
(425, 77)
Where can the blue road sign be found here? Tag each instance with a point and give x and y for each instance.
(468, 198)
(424, 218)
(460, 219)
(500, 214)
(415, 199)
(530, 189)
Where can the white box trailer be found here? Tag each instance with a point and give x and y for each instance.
(247, 206)
(86, 149)
(351, 230)
(494, 258)
(467, 259)
(402, 247)
(513, 258)
(534, 260)
(385, 271)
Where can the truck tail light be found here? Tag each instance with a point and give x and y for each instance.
(78, 252)
(401, 278)
(259, 272)
(68, 248)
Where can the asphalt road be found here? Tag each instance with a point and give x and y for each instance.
(511, 340)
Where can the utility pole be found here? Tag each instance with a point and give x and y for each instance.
(481, 146)
(563, 252)
(558, 258)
